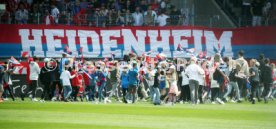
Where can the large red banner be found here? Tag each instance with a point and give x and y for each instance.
(51, 41)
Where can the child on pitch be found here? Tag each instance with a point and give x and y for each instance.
(173, 89)
(65, 77)
(233, 78)
(124, 82)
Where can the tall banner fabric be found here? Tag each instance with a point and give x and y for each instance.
(91, 42)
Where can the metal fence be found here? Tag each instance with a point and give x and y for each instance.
(96, 20)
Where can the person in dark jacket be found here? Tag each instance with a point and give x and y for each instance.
(156, 84)
(254, 79)
(267, 78)
(55, 74)
(46, 80)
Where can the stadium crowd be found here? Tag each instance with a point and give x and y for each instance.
(159, 80)
(99, 13)
(252, 12)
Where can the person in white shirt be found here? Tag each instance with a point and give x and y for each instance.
(21, 15)
(162, 19)
(185, 89)
(65, 78)
(138, 17)
(55, 13)
(34, 73)
(194, 73)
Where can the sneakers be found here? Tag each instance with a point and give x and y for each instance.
(265, 100)
(34, 100)
(239, 101)
(105, 100)
(253, 101)
(143, 100)
(54, 99)
(181, 102)
(233, 101)
(42, 101)
(219, 101)
(6, 99)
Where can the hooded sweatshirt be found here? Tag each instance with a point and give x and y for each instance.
(34, 71)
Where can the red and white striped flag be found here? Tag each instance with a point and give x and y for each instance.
(14, 61)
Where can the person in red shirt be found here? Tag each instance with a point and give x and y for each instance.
(48, 19)
(76, 83)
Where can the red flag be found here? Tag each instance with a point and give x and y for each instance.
(179, 48)
(67, 50)
(25, 54)
(191, 50)
(81, 48)
(14, 61)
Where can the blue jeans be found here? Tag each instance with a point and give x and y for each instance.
(156, 97)
(100, 92)
(67, 91)
(90, 90)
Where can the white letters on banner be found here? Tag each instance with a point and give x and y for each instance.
(36, 42)
(105, 42)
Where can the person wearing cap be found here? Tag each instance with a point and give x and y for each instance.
(114, 79)
(65, 78)
(194, 73)
(34, 74)
(133, 81)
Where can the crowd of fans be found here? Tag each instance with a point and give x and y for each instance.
(160, 81)
(100, 13)
(253, 12)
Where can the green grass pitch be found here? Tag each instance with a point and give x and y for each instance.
(82, 115)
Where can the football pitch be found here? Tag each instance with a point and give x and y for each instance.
(82, 115)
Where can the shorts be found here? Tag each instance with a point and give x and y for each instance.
(162, 85)
(1, 88)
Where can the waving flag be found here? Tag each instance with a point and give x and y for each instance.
(191, 50)
(14, 61)
(67, 50)
(202, 54)
(25, 54)
(112, 56)
(179, 48)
